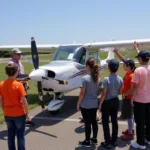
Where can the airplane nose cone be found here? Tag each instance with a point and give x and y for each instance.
(36, 75)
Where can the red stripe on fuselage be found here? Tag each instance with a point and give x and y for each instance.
(79, 73)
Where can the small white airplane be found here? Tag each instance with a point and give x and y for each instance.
(65, 71)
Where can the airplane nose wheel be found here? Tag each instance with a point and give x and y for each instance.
(55, 104)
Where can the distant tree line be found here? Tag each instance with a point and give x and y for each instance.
(6, 54)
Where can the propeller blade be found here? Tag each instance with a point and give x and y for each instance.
(35, 60)
(35, 57)
(40, 92)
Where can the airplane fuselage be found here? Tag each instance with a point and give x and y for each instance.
(62, 76)
(64, 72)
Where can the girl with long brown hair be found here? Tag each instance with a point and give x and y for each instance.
(88, 102)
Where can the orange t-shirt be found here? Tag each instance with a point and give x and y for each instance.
(11, 92)
(127, 83)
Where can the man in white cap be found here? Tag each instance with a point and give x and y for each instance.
(16, 56)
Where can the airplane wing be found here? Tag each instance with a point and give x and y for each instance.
(103, 46)
(124, 44)
(28, 46)
(41, 48)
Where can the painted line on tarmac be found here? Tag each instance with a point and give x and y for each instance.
(69, 120)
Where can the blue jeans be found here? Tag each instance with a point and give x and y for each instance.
(16, 126)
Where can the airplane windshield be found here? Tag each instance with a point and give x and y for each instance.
(65, 53)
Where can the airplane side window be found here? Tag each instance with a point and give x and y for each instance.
(65, 53)
(82, 58)
(95, 56)
(62, 56)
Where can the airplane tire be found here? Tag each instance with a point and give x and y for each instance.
(54, 112)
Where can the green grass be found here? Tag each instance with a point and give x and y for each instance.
(1, 117)
(41, 57)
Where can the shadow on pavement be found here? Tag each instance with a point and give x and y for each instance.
(44, 118)
(85, 148)
(80, 129)
(3, 135)
(67, 110)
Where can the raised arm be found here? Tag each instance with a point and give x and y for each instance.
(136, 47)
(118, 54)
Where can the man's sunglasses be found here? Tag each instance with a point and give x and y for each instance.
(19, 54)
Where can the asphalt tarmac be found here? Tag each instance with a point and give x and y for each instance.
(61, 131)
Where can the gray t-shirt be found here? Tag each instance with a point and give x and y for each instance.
(113, 84)
(90, 99)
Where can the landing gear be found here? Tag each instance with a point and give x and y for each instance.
(55, 104)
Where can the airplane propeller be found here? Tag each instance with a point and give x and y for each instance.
(35, 59)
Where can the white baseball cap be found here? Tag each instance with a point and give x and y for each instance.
(16, 51)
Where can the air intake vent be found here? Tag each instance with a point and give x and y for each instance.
(51, 74)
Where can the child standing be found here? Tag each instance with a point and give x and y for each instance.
(127, 109)
(88, 102)
(141, 100)
(109, 103)
(15, 107)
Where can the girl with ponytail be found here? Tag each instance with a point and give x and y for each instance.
(93, 68)
(88, 102)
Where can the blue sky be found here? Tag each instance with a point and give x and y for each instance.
(66, 21)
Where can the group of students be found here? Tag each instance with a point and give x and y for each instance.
(135, 91)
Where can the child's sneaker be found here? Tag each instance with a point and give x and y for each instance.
(85, 143)
(136, 145)
(106, 145)
(94, 141)
(127, 137)
(127, 131)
